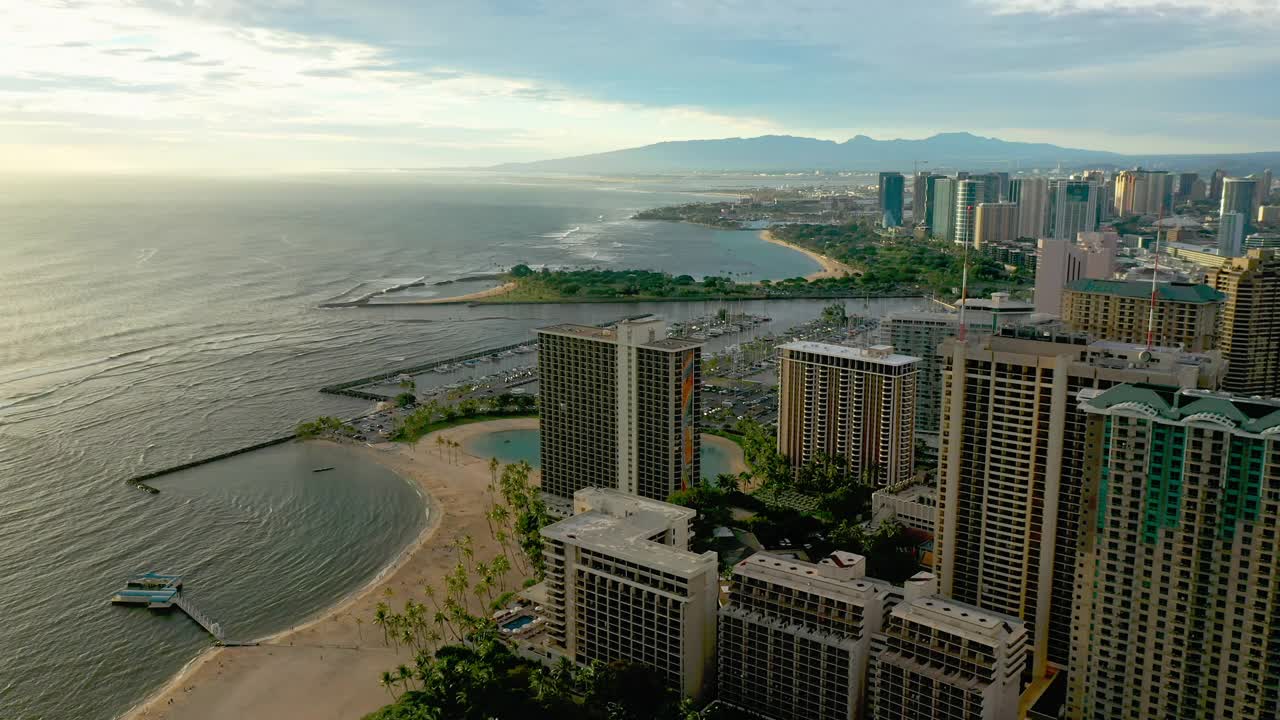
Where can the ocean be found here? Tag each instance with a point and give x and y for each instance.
(151, 321)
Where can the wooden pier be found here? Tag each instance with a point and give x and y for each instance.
(201, 619)
(163, 592)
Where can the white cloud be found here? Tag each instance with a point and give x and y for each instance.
(1259, 8)
(114, 67)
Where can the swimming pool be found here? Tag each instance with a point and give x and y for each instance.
(518, 623)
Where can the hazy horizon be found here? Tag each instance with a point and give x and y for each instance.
(312, 85)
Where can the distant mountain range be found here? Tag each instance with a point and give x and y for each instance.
(786, 153)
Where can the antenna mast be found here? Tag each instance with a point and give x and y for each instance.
(964, 277)
(1155, 274)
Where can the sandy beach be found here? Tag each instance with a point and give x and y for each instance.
(502, 289)
(830, 268)
(329, 666)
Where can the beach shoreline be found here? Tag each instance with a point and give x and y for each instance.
(324, 667)
(495, 291)
(830, 268)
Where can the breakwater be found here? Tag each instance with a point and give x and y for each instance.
(141, 480)
(503, 299)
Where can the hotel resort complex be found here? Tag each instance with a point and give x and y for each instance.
(620, 409)
(854, 403)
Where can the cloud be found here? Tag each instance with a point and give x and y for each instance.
(1252, 8)
(187, 57)
(150, 80)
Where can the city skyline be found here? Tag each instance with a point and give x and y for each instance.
(115, 85)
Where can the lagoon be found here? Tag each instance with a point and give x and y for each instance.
(510, 446)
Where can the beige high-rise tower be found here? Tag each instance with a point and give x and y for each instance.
(1186, 315)
(1177, 614)
(1011, 469)
(620, 409)
(1250, 329)
(853, 402)
(997, 223)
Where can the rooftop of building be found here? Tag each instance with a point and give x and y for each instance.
(673, 344)
(1170, 292)
(1053, 340)
(963, 619)
(882, 354)
(914, 492)
(619, 525)
(839, 576)
(1253, 415)
(586, 331)
(614, 333)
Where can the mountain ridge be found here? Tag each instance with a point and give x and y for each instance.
(951, 150)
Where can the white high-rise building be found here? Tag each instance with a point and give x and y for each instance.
(622, 585)
(939, 659)
(968, 196)
(795, 636)
(1073, 208)
(620, 409)
(1231, 234)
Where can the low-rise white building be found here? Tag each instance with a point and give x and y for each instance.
(795, 636)
(913, 505)
(946, 660)
(622, 585)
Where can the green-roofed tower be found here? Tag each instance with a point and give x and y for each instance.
(1186, 315)
(1177, 611)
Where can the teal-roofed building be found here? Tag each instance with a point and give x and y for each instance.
(1177, 610)
(1186, 314)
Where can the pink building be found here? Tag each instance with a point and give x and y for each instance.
(1091, 256)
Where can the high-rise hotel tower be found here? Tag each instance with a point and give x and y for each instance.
(1011, 468)
(620, 409)
(1177, 611)
(856, 403)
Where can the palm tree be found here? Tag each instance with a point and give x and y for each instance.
(380, 615)
(562, 676)
(440, 446)
(586, 677)
(500, 566)
(493, 474)
(360, 628)
(388, 681)
(540, 684)
(403, 674)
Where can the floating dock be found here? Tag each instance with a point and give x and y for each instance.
(158, 591)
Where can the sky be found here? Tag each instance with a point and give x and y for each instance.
(306, 85)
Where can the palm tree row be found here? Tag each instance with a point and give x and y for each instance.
(516, 516)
